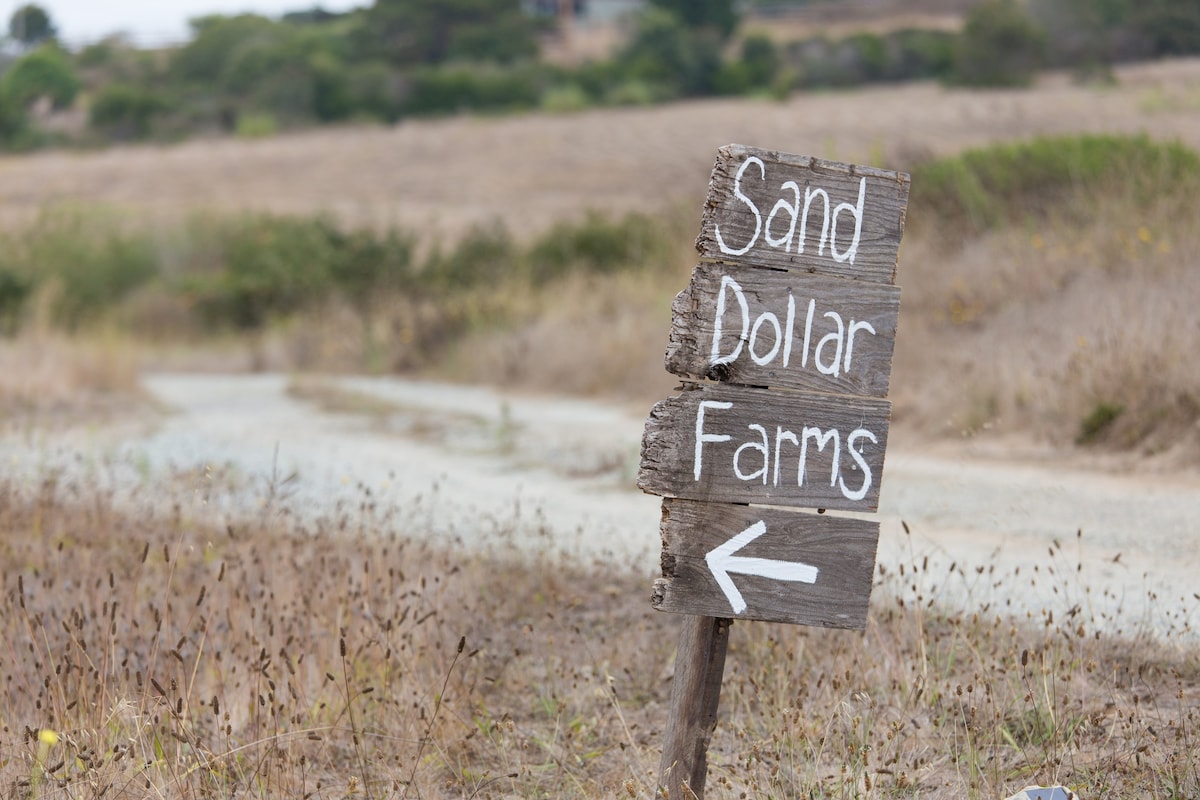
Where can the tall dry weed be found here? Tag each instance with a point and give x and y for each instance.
(180, 652)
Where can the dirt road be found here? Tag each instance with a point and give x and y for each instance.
(471, 462)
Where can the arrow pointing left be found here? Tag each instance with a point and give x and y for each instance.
(722, 562)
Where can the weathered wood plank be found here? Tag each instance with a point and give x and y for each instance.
(739, 445)
(841, 550)
(794, 330)
(855, 214)
(695, 697)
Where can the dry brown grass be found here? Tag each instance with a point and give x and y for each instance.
(48, 378)
(183, 654)
(443, 176)
(1032, 329)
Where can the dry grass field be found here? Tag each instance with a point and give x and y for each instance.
(170, 654)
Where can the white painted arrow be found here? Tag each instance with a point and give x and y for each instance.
(722, 561)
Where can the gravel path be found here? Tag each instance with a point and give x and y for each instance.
(469, 462)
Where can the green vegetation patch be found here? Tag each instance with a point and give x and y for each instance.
(1098, 421)
(1008, 183)
(243, 272)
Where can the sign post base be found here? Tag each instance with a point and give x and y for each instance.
(695, 695)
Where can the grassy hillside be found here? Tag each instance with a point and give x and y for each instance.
(1044, 280)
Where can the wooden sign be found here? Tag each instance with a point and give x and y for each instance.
(740, 445)
(791, 315)
(783, 211)
(766, 564)
(784, 329)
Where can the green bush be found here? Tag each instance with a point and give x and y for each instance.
(376, 91)
(367, 266)
(1098, 421)
(15, 130)
(229, 52)
(126, 111)
(920, 54)
(761, 59)
(256, 125)
(93, 263)
(1006, 183)
(15, 289)
(46, 72)
(718, 16)
(462, 87)
(666, 53)
(1172, 27)
(1000, 46)
(486, 254)
(732, 78)
(870, 56)
(633, 93)
(597, 244)
(565, 98)
(819, 63)
(266, 266)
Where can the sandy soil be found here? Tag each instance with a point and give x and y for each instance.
(555, 472)
(443, 176)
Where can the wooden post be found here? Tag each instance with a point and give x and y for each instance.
(695, 695)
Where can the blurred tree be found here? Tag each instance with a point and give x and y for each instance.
(1086, 32)
(218, 50)
(124, 111)
(14, 124)
(720, 16)
(761, 57)
(1172, 27)
(1000, 46)
(667, 54)
(31, 25)
(45, 72)
(411, 32)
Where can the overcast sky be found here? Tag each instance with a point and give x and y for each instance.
(152, 22)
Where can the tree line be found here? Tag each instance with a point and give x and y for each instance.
(252, 75)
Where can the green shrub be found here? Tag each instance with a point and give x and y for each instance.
(376, 91)
(15, 289)
(1099, 420)
(1005, 183)
(126, 111)
(486, 254)
(45, 72)
(565, 98)
(225, 51)
(93, 262)
(870, 56)
(596, 244)
(1000, 46)
(666, 53)
(366, 265)
(1172, 27)
(819, 63)
(15, 130)
(919, 54)
(633, 93)
(761, 59)
(462, 87)
(256, 125)
(266, 266)
(732, 78)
